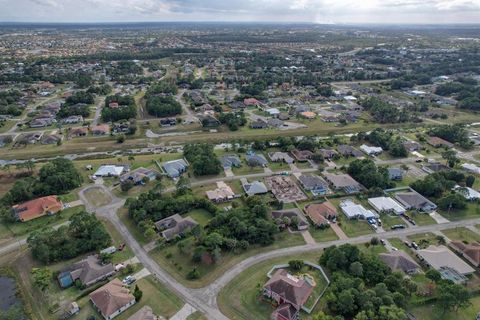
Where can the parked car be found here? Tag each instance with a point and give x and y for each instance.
(382, 241)
(415, 245)
(128, 280)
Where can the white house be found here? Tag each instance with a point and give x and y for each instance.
(467, 193)
(371, 151)
(382, 204)
(356, 211)
(109, 171)
(274, 112)
(473, 168)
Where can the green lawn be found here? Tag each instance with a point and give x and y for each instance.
(278, 166)
(323, 235)
(202, 216)
(240, 299)
(16, 229)
(117, 239)
(69, 197)
(354, 228)
(197, 315)
(374, 250)
(462, 234)
(389, 220)
(472, 211)
(163, 302)
(422, 219)
(424, 239)
(434, 312)
(178, 263)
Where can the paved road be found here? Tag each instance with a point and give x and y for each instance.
(191, 117)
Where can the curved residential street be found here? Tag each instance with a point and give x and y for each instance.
(205, 299)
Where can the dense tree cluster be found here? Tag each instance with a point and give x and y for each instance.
(127, 108)
(436, 184)
(455, 133)
(363, 287)
(159, 106)
(233, 120)
(85, 233)
(100, 90)
(8, 102)
(387, 141)
(369, 175)
(254, 89)
(202, 159)
(123, 70)
(56, 177)
(77, 104)
(383, 112)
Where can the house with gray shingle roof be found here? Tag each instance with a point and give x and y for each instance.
(175, 168)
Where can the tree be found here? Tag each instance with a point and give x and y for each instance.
(126, 185)
(137, 293)
(453, 201)
(356, 269)
(42, 278)
(451, 157)
(105, 258)
(452, 296)
(182, 186)
(296, 265)
(193, 274)
(121, 138)
(469, 181)
(433, 275)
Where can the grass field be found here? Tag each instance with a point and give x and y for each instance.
(354, 228)
(389, 220)
(178, 263)
(462, 234)
(424, 240)
(202, 216)
(422, 219)
(323, 235)
(435, 312)
(472, 211)
(240, 298)
(197, 315)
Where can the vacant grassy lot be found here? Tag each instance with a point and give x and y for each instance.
(97, 196)
(462, 234)
(422, 219)
(472, 211)
(179, 262)
(354, 228)
(435, 312)
(424, 239)
(389, 220)
(241, 299)
(323, 235)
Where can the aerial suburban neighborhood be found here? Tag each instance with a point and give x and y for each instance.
(239, 171)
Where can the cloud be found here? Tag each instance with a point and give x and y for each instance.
(349, 11)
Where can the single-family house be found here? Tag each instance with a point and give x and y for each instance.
(254, 187)
(328, 154)
(412, 146)
(274, 112)
(280, 157)
(412, 200)
(343, 182)
(258, 124)
(307, 114)
(78, 132)
(230, 161)
(321, 213)
(251, 102)
(302, 223)
(437, 142)
(256, 160)
(275, 123)
(470, 251)
(168, 122)
(100, 130)
(175, 168)
(140, 176)
(356, 211)
(112, 299)
(175, 226)
(88, 271)
(51, 139)
(110, 170)
(434, 167)
(438, 257)
(73, 119)
(468, 193)
(371, 151)
(386, 204)
(349, 151)
(287, 289)
(313, 183)
(36, 208)
(400, 261)
(395, 174)
(222, 193)
(470, 167)
(302, 155)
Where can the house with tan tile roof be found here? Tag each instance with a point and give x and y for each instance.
(37, 208)
(112, 299)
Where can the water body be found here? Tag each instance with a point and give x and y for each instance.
(8, 291)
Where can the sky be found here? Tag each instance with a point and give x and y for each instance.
(316, 11)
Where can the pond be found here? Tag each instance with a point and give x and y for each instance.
(8, 296)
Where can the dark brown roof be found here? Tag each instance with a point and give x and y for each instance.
(291, 289)
(470, 251)
(111, 297)
(284, 311)
(319, 212)
(399, 260)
